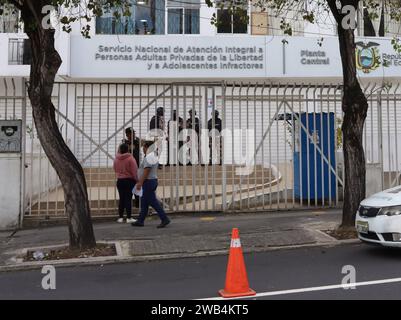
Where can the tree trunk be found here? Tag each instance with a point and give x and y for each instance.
(45, 64)
(354, 106)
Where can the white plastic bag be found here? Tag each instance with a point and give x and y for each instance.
(136, 192)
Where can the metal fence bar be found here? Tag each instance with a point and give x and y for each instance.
(98, 173)
(277, 103)
(322, 146)
(270, 150)
(329, 142)
(214, 142)
(222, 148)
(293, 138)
(396, 137)
(380, 125)
(300, 146)
(262, 105)
(168, 147)
(91, 134)
(254, 142)
(177, 167)
(23, 204)
(202, 125)
(193, 172)
(314, 142)
(388, 127)
(232, 139)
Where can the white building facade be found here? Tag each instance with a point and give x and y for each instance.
(168, 54)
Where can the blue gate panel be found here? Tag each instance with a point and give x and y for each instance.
(311, 170)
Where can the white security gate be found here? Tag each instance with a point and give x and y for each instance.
(280, 146)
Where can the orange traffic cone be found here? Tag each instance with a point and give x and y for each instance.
(237, 284)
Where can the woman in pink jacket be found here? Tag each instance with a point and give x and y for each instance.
(126, 168)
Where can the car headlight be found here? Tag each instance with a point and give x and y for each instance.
(390, 211)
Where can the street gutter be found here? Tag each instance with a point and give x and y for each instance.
(100, 261)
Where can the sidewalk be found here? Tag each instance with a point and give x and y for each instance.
(186, 236)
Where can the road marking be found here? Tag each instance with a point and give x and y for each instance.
(311, 289)
(318, 212)
(208, 219)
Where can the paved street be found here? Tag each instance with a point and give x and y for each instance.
(196, 278)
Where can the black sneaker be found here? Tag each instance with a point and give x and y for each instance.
(163, 224)
(137, 224)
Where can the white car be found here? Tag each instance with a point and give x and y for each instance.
(378, 219)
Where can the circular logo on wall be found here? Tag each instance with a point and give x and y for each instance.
(9, 131)
(367, 56)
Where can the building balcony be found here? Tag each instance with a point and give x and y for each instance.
(15, 55)
(19, 52)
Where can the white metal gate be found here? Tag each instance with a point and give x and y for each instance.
(281, 145)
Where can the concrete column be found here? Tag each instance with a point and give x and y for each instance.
(206, 13)
(10, 190)
(373, 178)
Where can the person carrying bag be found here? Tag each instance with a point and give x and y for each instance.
(148, 182)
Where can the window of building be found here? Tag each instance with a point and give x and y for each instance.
(183, 17)
(147, 17)
(368, 25)
(232, 21)
(19, 52)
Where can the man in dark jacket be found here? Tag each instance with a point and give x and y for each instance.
(216, 124)
(157, 121)
(193, 123)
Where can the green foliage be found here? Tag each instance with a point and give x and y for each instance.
(286, 27)
(70, 11)
(396, 44)
(233, 7)
(319, 11)
(288, 11)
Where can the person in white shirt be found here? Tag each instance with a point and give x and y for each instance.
(147, 181)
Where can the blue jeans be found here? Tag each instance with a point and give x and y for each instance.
(149, 199)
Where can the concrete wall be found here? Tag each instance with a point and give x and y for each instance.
(6, 70)
(40, 177)
(10, 191)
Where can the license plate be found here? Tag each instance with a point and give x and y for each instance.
(362, 226)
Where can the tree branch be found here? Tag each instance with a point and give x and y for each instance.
(334, 10)
(16, 4)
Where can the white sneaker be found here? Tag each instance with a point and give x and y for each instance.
(131, 220)
(120, 220)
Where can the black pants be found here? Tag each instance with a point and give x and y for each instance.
(125, 187)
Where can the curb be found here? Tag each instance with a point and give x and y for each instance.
(100, 261)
